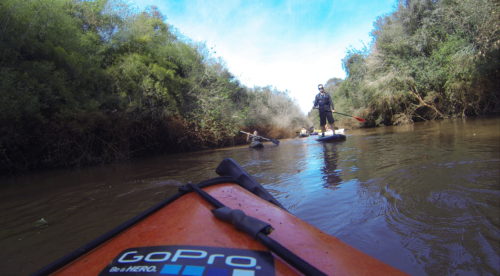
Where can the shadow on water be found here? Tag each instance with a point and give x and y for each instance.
(423, 198)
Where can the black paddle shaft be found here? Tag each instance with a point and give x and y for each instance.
(260, 137)
(355, 117)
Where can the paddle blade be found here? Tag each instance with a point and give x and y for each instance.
(276, 142)
(359, 119)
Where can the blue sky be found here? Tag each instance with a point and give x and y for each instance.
(291, 45)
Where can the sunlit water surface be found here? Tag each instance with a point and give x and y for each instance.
(423, 198)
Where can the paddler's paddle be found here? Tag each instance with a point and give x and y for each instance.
(276, 142)
(357, 118)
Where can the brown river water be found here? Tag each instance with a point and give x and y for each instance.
(424, 198)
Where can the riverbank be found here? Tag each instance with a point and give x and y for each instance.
(93, 82)
(97, 140)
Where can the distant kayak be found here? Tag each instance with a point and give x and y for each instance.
(256, 145)
(331, 138)
(256, 142)
(229, 225)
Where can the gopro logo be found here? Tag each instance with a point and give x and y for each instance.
(192, 261)
(164, 256)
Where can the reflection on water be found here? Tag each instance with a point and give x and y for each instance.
(423, 198)
(331, 175)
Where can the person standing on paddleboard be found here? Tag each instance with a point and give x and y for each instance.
(323, 102)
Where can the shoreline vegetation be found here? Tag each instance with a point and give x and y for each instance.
(429, 59)
(92, 82)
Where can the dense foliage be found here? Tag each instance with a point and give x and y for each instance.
(429, 59)
(85, 82)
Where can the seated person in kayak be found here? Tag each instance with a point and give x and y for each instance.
(303, 132)
(323, 102)
(255, 140)
(253, 137)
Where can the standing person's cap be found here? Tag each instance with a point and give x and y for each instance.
(320, 87)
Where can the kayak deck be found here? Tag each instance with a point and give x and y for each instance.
(326, 252)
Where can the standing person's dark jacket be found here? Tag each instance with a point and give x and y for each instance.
(323, 102)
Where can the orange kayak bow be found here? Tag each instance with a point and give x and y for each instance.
(228, 225)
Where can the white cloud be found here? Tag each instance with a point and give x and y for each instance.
(290, 45)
